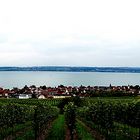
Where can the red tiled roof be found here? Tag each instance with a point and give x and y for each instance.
(1, 91)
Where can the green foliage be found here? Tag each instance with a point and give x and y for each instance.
(76, 100)
(103, 114)
(15, 114)
(110, 116)
(12, 114)
(82, 131)
(42, 116)
(31, 102)
(62, 104)
(70, 117)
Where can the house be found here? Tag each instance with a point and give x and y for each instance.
(41, 96)
(60, 96)
(4, 93)
(1, 92)
(24, 96)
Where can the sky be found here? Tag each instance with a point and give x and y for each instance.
(70, 33)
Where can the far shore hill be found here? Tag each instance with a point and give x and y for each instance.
(73, 69)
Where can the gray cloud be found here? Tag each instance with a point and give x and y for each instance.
(77, 33)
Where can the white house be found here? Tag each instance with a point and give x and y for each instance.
(41, 97)
(24, 96)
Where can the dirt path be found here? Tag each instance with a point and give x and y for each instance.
(68, 136)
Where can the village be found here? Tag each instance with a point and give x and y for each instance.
(44, 92)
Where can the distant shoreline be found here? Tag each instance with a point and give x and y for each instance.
(74, 69)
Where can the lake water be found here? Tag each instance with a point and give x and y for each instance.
(11, 79)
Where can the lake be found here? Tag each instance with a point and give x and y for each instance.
(10, 79)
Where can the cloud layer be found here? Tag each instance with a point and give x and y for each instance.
(76, 32)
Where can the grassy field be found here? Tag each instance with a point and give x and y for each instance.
(57, 131)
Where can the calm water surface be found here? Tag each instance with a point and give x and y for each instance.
(19, 79)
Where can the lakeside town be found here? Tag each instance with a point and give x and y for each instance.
(44, 92)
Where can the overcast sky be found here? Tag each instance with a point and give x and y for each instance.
(70, 32)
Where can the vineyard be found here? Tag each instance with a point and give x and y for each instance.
(70, 119)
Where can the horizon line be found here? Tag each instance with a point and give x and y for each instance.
(76, 66)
